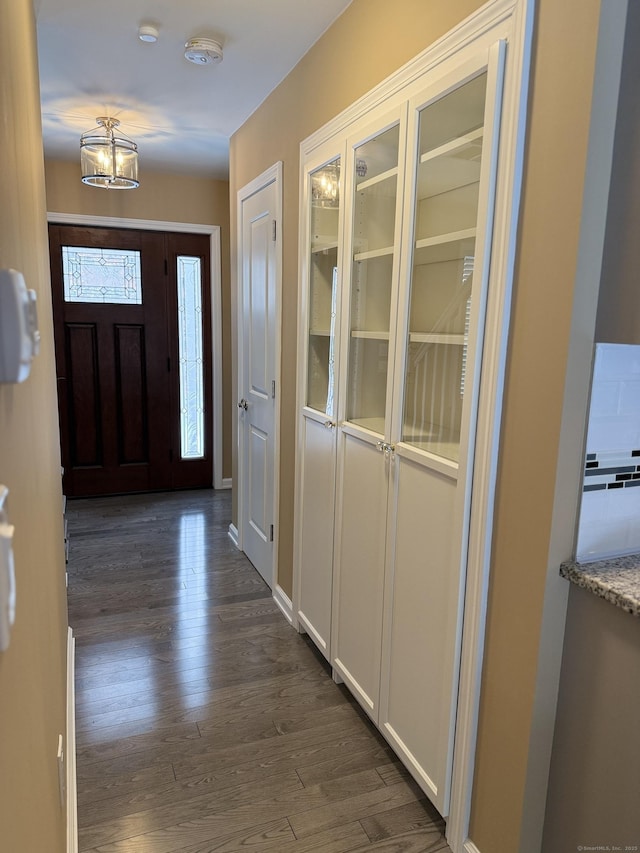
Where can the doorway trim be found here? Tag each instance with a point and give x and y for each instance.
(216, 303)
(273, 174)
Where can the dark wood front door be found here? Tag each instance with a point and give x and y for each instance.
(121, 367)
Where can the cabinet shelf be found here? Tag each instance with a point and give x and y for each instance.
(374, 253)
(454, 246)
(321, 246)
(456, 171)
(432, 438)
(370, 335)
(377, 179)
(438, 447)
(458, 144)
(436, 338)
(324, 333)
(441, 239)
(372, 424)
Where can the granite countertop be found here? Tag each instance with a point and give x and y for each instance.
(617, 580)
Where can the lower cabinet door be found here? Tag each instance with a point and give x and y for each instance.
(420, 646)
(316, 514)
(359, 569)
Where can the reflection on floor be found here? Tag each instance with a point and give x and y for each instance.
(204, 721)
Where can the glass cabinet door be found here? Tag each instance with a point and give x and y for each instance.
(323, 269)
(374, 220)
(448, 175)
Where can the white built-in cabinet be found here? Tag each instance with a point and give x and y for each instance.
(396, 243)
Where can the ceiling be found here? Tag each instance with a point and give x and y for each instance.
(180, 115)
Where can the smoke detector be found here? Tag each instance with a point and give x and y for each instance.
(148, 33)
(203, 51)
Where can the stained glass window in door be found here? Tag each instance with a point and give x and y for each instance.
(190, 352)
(110, 276)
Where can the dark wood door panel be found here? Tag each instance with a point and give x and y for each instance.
(83, 396)
(131, 394)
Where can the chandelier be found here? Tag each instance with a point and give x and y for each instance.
(107, 160)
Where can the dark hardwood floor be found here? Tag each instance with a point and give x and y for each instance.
(204, 721)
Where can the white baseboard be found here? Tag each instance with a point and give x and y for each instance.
(233, 535)
(72, 782)
(227, 483)
(284, 603)
(470, 847)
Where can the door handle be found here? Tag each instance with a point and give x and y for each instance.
(329, 424)
(243, 404)
(384, 447)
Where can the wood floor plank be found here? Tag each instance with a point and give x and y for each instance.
(205, 724)
(359, 757)
(165, 811)
(221, 817)
(362, 805)
(153, 738)
(303, 747)
(336, 840)
(416, 815)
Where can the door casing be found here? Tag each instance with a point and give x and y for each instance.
(213, 231)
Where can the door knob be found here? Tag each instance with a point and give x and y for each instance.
(243, 404)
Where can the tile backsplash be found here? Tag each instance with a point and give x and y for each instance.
(610, 510)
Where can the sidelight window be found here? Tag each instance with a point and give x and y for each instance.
(190, 351)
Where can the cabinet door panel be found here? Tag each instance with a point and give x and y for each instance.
(418, 698)
(321, 236)
(316, 534)
(359, 579)
(323, 250)
(447, 215)
(375, 234)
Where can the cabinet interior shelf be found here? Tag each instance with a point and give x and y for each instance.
(441, 239)
(449, 450)
(372, 424)
(436, 338)
(370, 335)
(324, 333)
(453, 145)
(374, 253)
(377, 179)
(320, 247)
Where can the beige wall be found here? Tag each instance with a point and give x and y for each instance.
(593, 786)
(619, 307)
(164, 197)
(33, 669)
(365, 45)
(362, 47)
(559, 113)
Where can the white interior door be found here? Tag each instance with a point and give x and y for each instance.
(257, 376)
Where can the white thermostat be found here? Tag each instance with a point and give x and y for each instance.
(19, 335)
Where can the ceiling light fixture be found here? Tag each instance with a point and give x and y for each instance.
(203, 51)
(107, 160)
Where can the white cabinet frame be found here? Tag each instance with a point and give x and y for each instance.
(511, 22)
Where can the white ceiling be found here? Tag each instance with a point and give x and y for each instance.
(181, 115)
